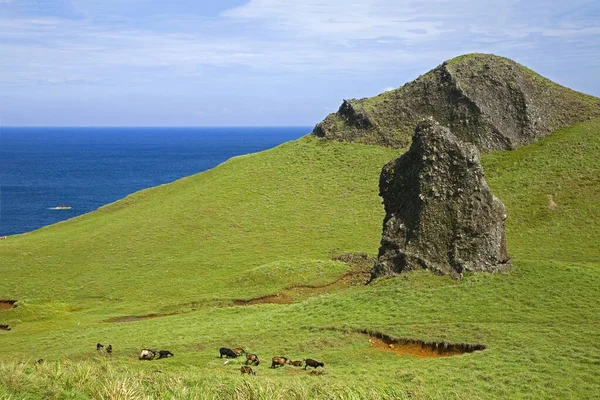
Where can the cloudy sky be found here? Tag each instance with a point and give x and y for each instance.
(262, 62)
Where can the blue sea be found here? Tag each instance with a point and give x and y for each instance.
(85, 168)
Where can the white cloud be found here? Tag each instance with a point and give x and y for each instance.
(282, 37)
(417, 21)
(339, 20)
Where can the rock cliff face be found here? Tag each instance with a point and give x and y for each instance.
(440, 213)
(486, 100)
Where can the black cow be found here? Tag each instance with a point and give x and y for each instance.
(99, 346)
(164, 354)
(227, 352)
(313, 363)
(109, 349)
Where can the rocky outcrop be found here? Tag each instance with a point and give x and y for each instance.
(489, 101)
(440, 213)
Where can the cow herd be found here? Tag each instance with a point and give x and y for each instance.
(146, 354)
(251, 359)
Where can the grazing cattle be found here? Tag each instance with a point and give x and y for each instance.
(164, 354)
(252, 359)
(313, 363)
(224, 351)
(278, 362)
(295, 363)
(41, 360)
(244, 369)
(239, 351)
(99, 346)
(109, 349)
(147, 354)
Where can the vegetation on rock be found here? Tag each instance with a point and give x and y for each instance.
(490, 101)
(440, 212)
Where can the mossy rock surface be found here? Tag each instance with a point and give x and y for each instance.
(490, 101)
(440, 213)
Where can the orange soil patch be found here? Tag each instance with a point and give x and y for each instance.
(133, 318)
(7, 304)
(418, 348)
(411, 349)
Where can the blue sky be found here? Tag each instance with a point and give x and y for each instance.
(262, 62)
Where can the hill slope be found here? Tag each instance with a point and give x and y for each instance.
(197, 234)
(260, 223)
(487, 100)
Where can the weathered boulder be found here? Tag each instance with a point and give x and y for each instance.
(440, 213)
(490, 101)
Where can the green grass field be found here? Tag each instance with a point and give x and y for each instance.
(266, 223)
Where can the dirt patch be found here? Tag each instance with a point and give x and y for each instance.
(278, 298)
(412, 347)
(361, 264)
(344, 279)
(297, 292)
(360, 267)
(133, 318)
(4, 327)
(418, 348)
(7, 304)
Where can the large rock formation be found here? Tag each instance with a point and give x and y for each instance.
(440, 213)
(486, 100)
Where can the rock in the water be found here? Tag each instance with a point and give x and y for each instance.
(487, 100)
(440, 213)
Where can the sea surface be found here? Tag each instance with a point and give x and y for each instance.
(85, 168)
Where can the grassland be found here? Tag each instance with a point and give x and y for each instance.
(261, 224)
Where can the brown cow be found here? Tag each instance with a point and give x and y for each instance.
(239, 351)
(278, 362)
(244, 369)
(295, 363)
(252, 359)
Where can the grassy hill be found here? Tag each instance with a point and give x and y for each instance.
(270, 223)
(490, 101)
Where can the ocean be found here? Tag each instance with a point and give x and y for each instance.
(86, 168)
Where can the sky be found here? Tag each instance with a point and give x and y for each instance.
(262, 62)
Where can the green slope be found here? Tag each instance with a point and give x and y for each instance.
(198, 234)
(234, 232)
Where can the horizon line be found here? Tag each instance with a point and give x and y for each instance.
(154, 126)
